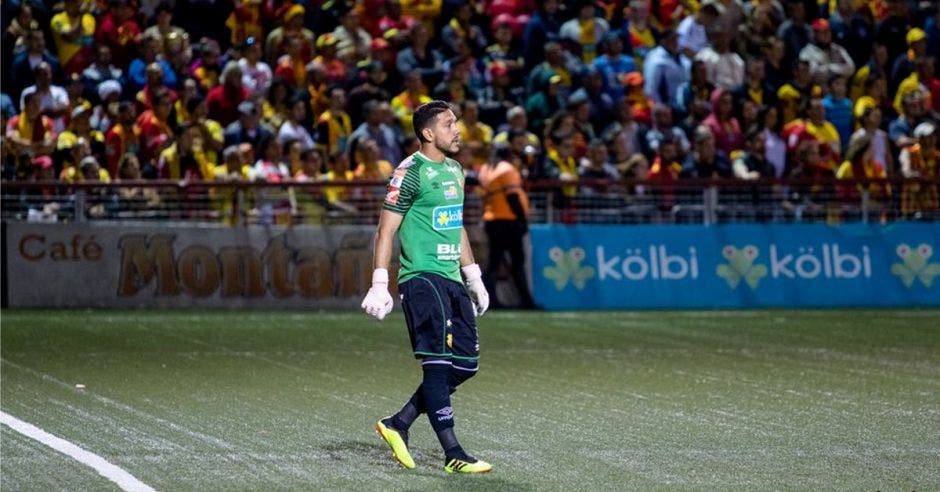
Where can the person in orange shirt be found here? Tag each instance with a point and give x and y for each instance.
(505, 217)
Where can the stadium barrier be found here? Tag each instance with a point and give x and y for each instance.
(699, 244)
(736, 266)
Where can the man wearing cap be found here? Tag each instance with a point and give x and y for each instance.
(826, 58)
(906, 63)
(256, 74)
(293, 26)
(248, 127)
(921, 160)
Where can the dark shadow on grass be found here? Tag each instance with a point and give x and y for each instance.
(429, 465)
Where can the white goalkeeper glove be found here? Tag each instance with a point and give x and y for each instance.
(473, 279)
(378, 301)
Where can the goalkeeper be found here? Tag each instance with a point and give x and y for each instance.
(424, 204)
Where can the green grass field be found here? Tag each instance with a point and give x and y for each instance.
(197, 400)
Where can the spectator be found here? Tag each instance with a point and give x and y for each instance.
(24, 63)
(293, 129)
(839, 108)
(870, 122)
(207, 68)
(124, 137)
(73, 30)
(875, 67)
(31, 132)
(153, 86)
(596, 164)
(795, 94)
(661, 129)
(613, 65)
(544, 102)
(901, 130)
(906, 63)
(724, 127)
(53, 99)
(752, 163)
(755, 87)
(292, 28)
(275, 107)
(367, 162)
(698, 87)
(186, 158)
(542, 28)
(794, 32)
(248, 128)
(394, 25)
(920, 160)
(775, 149)
(641, 35)
(119, 30)
(723, 67)
(665, 69)
(826, 58)
(692, 37)
(404, 104)
(333, 126)
(922, 80)
(151, 52)
(256, 74)
(705, 160)
(223, 99)
(586, 31)
(375, 128)
(352, 41)
(420, 57)
(101, 70)
(859, 165)
(163, 28)
(460, 29)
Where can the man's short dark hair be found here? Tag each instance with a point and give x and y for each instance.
(425, 114)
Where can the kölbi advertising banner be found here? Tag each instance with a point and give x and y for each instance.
(111, 265)
(736, 266)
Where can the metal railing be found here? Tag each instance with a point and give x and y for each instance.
(694, 201)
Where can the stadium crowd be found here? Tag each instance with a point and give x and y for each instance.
(658, 90)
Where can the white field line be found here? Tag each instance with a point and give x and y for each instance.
(214, 441)
(108, 470)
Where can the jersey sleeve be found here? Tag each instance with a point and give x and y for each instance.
(402, 190)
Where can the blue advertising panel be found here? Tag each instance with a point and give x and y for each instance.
(734, 266)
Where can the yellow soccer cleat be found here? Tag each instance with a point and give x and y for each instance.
(457, 465)
(397, 440)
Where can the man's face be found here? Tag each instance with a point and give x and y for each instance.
(817, 112)
(37, 43)
(823, 37)
(706, 148)
(444, 132)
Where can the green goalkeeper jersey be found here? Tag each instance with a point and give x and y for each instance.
(429, 196)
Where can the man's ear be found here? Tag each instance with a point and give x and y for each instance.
(428, 135)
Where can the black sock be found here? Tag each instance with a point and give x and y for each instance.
(415, 406)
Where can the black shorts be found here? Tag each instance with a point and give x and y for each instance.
(440, 318)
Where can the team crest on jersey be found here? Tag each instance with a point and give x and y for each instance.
(449, 217)
(450, 191)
